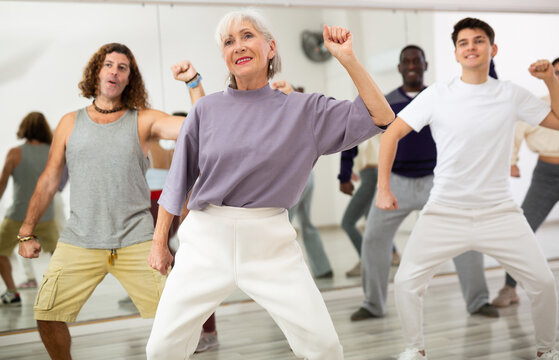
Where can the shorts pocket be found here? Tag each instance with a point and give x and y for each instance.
(47, 291)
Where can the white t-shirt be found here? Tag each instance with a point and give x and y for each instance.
(472, 126)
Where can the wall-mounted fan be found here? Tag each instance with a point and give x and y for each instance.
(313, 46)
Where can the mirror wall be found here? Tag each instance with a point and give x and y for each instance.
(46, 46)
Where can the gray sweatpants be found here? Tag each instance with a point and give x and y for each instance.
(316, 255)
(412, 194)
(359, 206)
(540, 199)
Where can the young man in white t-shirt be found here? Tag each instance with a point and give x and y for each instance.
(472, 120)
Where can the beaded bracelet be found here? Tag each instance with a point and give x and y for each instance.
(26, 238)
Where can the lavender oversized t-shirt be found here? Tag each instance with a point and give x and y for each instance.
(256, 148)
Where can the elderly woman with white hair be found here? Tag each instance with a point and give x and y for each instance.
(246, 154)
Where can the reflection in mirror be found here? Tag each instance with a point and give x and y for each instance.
(48, 53)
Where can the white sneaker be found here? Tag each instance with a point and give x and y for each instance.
(550, 355)
(10, 298)
(412, 354)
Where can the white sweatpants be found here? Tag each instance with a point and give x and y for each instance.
(502, 232)
(225, 248)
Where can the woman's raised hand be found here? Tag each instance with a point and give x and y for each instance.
(338, 41)
(183, 71)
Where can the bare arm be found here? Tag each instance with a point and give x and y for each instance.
(168, 127)
(12, 160)
(47, 185)
(542, 69)
(339, 42)
(164, 126)
(160, 258)
(551, 121)
(196, 93)
(388, 146)
(519, 134)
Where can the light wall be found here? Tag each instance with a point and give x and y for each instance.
(46, 46)
(50, 43)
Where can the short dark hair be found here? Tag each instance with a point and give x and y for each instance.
(473, 23)
(134, 95)
(412, 47)
(555, 61)
(34, 126)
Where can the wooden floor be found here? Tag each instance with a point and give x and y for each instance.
(247, 332)
(103, 304)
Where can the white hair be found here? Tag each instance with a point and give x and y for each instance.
(259, 23)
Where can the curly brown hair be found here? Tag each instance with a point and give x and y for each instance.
(134, 95)
(34, 126)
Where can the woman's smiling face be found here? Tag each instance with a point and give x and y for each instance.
(247, 53)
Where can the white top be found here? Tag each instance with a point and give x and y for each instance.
(472, 126)
(540, 140)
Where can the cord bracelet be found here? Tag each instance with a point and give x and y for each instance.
(26, 238)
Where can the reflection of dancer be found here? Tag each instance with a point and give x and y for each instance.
(24, 164)
(318, 260)
(110, 227)
(237, 234)
(365, 159)
(411, 182)
(543, 193)
(470, 206)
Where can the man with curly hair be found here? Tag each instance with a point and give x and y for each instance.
(110, 228)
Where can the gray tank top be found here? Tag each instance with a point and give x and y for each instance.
(25, 176)
(109, 195)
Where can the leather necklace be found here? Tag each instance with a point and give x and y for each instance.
(102, 111)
